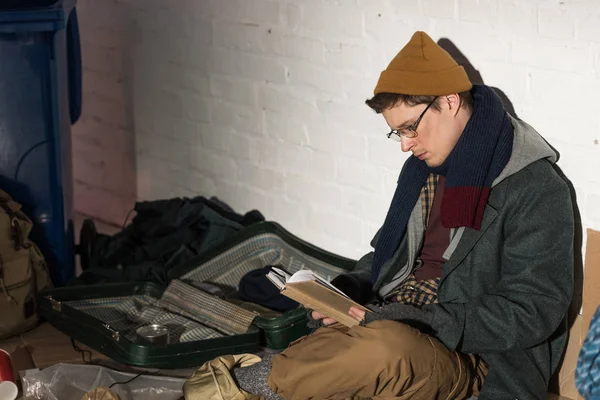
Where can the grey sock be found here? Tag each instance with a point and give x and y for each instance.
(253, 379)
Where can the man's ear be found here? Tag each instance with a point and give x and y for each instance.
(452, 101)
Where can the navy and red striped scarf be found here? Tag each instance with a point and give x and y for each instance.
(478, 157)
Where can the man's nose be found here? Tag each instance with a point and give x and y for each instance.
(407, 143)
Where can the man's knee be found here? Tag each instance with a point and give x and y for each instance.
(391, 341)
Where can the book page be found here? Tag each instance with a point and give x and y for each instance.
(308, 275)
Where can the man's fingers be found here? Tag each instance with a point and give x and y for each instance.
(357, 314)
(317, 315)
(326, 320)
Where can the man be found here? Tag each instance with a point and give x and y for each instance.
(472, 266)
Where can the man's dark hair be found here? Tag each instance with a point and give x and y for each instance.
(384, 101)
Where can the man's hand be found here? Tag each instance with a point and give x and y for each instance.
(325, 320)
(357, 314)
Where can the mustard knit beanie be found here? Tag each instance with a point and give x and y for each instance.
(422, 67)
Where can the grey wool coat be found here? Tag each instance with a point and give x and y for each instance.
(506, 288)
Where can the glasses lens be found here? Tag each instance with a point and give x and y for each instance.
(395, 137)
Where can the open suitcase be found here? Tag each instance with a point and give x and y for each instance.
(105, 317)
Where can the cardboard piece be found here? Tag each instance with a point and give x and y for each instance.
(580, 327)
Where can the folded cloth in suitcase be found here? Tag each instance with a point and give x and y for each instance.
(193, 303)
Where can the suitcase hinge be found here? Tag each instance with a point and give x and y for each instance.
(56, 305)
(115, 334)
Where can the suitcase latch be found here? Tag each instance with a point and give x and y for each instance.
(56, 305)
(115, 334)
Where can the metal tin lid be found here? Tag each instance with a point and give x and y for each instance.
(152, 331)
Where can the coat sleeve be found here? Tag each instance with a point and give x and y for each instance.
(357, 283)
(535, 286)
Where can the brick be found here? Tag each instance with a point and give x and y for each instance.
(517, 18)
(390, 183)
(236, 91)
(348, 58)
(335, 139)
(105, 111)
(456, 37)
(88, 162)
(511, 79)
(252, 38)
(345, 228)
(387, 25)
(258, 11)
(181, 130)
(358, 89)
(200, 57)
(102, 59)
(385, 152)
(195, 107)
(482, 11)
(238, 117)
(255, 200)
(181, 25)
(173, 151)
(293, 158)
(358, 118)
(335, 21)
(307, 190)
(556, 23)
(95, 201)
(174, 104)
(286, 128)
(293, 13)
(368, 232)
(105, 15)
(154, 170)
(285, 212)
(104, 137)
(587, 26)
(268, 180)
(234, 194)
(364, 176)
(302, 48)
(100, 36)
(322, 164)
(214, 165)
(592, 213)
(200, 184)
(318, 78)
(543, 54)
(439, 9)
(258, 67)
(361, 203)
(546, 86)
(101, 84)
(175, 78)
(161, 45)
(280, 100)
(264, 152)
(119, 173)
(215, 137)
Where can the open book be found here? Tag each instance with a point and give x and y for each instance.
(315, 292)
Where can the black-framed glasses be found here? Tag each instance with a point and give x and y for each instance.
(410, 131)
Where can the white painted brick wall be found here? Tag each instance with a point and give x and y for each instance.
(261, 102)
(103, 139)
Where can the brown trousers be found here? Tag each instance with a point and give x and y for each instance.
(384, 360)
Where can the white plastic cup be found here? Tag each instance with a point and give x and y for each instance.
(8, 390)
